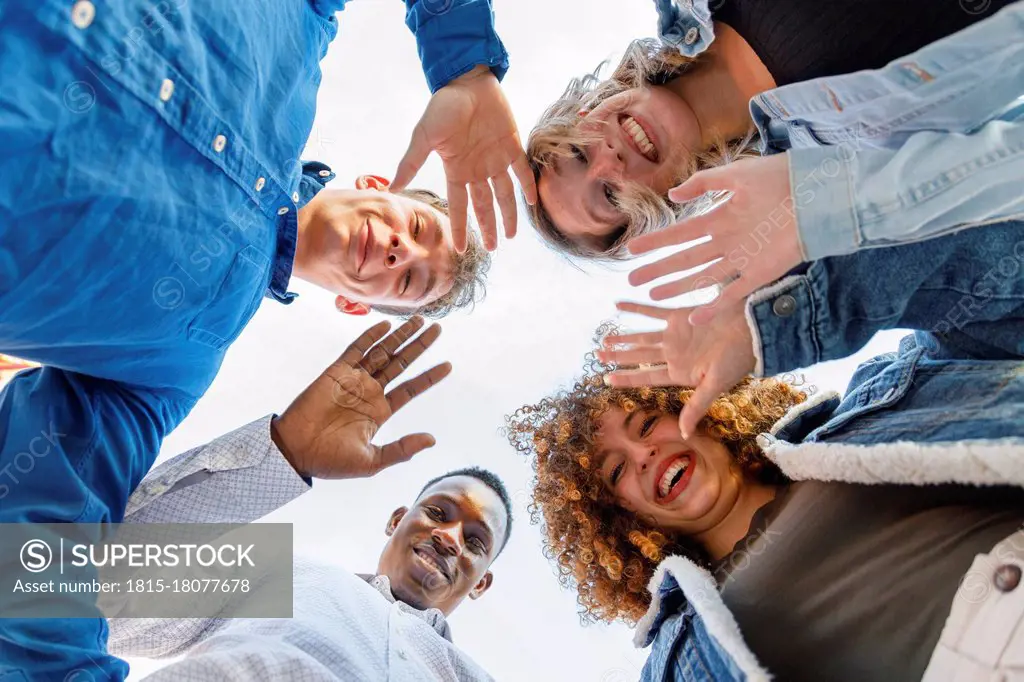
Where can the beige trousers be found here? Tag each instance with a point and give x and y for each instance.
(983, 639)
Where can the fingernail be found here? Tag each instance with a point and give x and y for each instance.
(607, 379)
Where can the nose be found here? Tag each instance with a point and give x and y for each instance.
(642, 457)
(607, 162)
(447, 540)
(399, 251)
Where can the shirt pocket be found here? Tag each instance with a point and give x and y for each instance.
(223, 318)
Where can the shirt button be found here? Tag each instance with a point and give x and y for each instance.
(784, 305)
(1007, 577)
(282, 210)
(82, 13)
(324, 173)
(401, 654)
(691, 36)
(219, 143)
(295, 197)
(260, 182)
(166, 89)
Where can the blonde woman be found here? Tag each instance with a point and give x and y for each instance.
(924, 144)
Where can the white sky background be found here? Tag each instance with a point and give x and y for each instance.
(526, 339)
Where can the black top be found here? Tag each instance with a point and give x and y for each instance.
(847, 583)
(799, 40)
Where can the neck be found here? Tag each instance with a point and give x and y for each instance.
(718, 89)
(309, 242)
(721, 539)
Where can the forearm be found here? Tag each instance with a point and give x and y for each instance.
(969, 284)
(237, 478)
(848, 198)
(453, 37)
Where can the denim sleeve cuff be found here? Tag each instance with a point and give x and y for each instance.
(454, 36)
(781, 318)
(823, 192)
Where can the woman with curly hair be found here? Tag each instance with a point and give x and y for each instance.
(739, 78)
(876, 537)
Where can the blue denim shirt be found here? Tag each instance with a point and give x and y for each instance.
(925, 146)
(149, 184)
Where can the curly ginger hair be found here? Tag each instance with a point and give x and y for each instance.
(606, 552)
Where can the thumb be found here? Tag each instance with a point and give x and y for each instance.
(697, 186)
(403, 449)
(697, 406)
(415, 156)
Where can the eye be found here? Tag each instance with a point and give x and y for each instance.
(578, 153)
(478, 545)
(617, 473)
(417, 229)
(406, 281)
(646, 427)
(435, 513)
(609, 194)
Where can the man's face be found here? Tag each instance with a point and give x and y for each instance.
(440, 550)
(384, 249)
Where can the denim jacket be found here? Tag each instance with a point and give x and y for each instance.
(922, 147)
(923, 415)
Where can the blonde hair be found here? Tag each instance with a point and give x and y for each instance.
(647, 62)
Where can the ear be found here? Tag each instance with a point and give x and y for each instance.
(373, 182)
(482, 586)
(348, 307)
(395, 518)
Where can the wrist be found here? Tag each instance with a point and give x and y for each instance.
(278, 431)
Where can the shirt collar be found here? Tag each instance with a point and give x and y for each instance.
(432, 617)
(315, 176)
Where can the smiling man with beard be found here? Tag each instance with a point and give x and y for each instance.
(391, 624)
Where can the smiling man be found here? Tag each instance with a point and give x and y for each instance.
(387, 625)
(391, 252)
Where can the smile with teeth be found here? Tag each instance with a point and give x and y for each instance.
(639, 136)
(433, 561)
(672, 476)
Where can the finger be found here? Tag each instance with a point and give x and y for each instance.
(400, 395)
(690, 258)
(505, 193)
(415, 156)
(355, 352)
(403, 449)
(732, 296)
(705, 393)
(381, 354)
(634, 378)
(400, 362)
(649, 355)
(691, 283)
(458, 205)
(527, 181)
(483, 207)
(674, 235)
(647, 310)
(699, 184)
(636, 339)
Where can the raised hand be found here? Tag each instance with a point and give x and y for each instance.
(709, 359)
(469, 124)
(754, 236)
(326, 431)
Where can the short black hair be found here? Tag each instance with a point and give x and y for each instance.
(491, 480)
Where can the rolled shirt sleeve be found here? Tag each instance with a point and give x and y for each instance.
(453, 37)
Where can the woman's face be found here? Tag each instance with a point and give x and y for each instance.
(645, 135)
(684, 486)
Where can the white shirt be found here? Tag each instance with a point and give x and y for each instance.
(343, 627)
